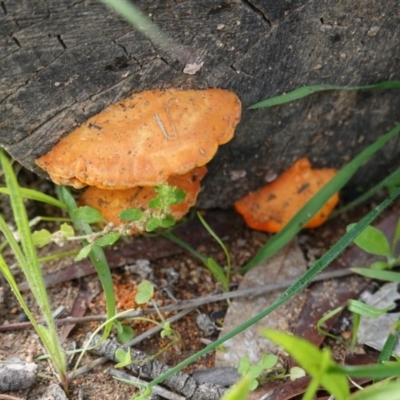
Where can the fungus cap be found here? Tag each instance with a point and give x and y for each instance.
(144, 139)
(111, 203)
(273, 206)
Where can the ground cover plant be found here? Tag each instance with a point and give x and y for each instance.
(323, 370)
(362, 233)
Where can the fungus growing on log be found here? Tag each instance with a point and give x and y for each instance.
(111, 203)
(144, 139)
(273, 206)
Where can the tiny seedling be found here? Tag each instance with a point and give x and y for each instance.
(358, 310)
(373, 241)
(257, 372)
(324, 372)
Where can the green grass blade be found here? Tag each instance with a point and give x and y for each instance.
(376, 371)
(393, 177)
(299, 93)
(28, 262)
(96, 255)
(300, 284)
(383, 275)
(312, 206)
(140, 21)
(219, 241)
(170, 236)
(36, 196)
(389, 347)
(30, 267)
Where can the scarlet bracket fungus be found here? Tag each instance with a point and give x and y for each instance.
(144, 139)
(271, 207)
(111, 203)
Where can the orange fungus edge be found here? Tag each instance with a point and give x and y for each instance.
(270, 208)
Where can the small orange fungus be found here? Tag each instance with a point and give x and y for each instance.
(144, 139)
(111, 203)
(271, 207)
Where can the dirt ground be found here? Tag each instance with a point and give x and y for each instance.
(176, 274)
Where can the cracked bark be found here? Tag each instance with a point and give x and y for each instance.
(61, 64)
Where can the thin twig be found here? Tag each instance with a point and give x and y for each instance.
(157, 390)
(7, 397)
(253, 291)
(145, 335)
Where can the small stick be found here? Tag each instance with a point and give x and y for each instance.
(157, 390)
(145, 335)
(253, 291)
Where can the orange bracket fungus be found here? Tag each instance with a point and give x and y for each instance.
(111, 203)
(144, 139)
(147, 139)
(273, 206)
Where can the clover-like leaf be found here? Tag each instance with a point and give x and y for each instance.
(133, 214)
(84, 252)
(87, 214)
(108, 239)
(41, 238)
(145, 292)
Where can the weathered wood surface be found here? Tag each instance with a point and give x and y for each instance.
(62, 61)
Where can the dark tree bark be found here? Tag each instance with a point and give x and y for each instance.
(62, 61)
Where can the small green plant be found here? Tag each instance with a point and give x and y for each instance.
(373, 241)
(220, 274)
(325, 373)
(257, 372)
(358, 310)
(157, 215)
(27, 260)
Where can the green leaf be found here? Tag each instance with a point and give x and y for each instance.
(41, 238)
(97, 256)
(375, 371)
(133, 214)
(313, 360)
(255, 371)
(155, 203)
(108, 239)
(239, 390)
(36, 196)
(124, 358)
(84, 252)
(366, 310)
(168, 221)
(180, 196)
(379, 265)
(125, 333)
(296, 373)
(268, 361)
(67, 230)
(389, 391)
(88, 215)
(372, 241)
(145, 292)
(218, 273)
(244, 365)
(384, 275)
(167, 330)
(308, 90)
(153, 224)
(396, 233)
